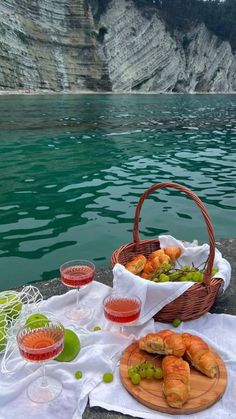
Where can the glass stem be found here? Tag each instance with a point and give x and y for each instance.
(44, 382)
(77, 298)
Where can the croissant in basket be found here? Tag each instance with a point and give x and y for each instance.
(144, 267)
(137, 264)
(173, 252)
(158, 258)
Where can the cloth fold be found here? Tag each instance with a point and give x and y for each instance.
(154, 295)
(210, 327)
(100, 353)
(198, 254)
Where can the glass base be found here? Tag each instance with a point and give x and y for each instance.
(43, 393)
(80, 313)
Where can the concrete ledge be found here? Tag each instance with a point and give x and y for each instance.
(224, 304)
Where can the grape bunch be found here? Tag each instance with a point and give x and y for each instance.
(144, 369)
(185, 273)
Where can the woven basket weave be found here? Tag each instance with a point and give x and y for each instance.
(199, 298)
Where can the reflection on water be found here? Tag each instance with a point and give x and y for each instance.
(73, 167)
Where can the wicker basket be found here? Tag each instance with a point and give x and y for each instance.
(199, 298)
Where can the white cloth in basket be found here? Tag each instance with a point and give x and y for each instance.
(155, 296)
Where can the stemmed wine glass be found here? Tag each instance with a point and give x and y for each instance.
(122, 310)
(39, 344)
(76, 274)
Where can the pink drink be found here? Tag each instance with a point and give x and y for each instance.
(76, 276)
(122, 309)
(41, 344)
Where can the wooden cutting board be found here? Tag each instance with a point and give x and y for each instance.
(204, 391)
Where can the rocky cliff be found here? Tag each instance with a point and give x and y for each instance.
(63, 45)
(49, 44)
(143, 55)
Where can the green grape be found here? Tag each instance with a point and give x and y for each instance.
(166, 267)
(174, 276)
(96, 328)
(143, 372)
(78, 375)
(186, 268)
(135, 379)
(189, 276)
(107, 377)
(148, 364)
(149, 372)
(214, 271)
(197, 276)
(182, 279)
(144, 364)
(130, 371)
(155, 280)
(164, 278)
(176, 322)
(135, 368)
(158, 373)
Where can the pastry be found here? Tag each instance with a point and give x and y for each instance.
(136, 265)
(176, 375)
(172, 252)
(199, 355)
(164, 342)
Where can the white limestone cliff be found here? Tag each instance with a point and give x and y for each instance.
(143, 55)
(54, 44)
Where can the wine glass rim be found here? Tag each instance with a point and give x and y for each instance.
(120, 296)
(78, 262)
(36, 350)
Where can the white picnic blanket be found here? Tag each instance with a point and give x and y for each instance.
(100, 353)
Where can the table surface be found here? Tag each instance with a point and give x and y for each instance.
(224, 304)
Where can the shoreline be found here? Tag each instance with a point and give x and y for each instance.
(35, 92)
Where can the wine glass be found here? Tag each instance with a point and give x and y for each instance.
(76, 274)
(122, 310)
(39, 344)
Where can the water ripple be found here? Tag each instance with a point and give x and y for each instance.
(74, 167)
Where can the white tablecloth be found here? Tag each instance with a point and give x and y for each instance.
(100, 352)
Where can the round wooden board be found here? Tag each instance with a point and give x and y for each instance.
(203, 394)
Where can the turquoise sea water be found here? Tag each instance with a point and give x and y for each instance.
(72, 168)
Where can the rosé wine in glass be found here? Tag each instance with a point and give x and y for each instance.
(41, 344)
(122, 310)
(38, 344)
(76, 274)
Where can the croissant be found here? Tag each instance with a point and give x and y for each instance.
(157, 253)
(151, 265)
(137, 264)
(172, 252)
(160, 254)
(176, 375)
(164, 342)
(145, 275)
(200, 356)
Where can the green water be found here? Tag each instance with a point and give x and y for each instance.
(73, 167)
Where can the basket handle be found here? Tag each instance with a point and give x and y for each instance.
(136, 239)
